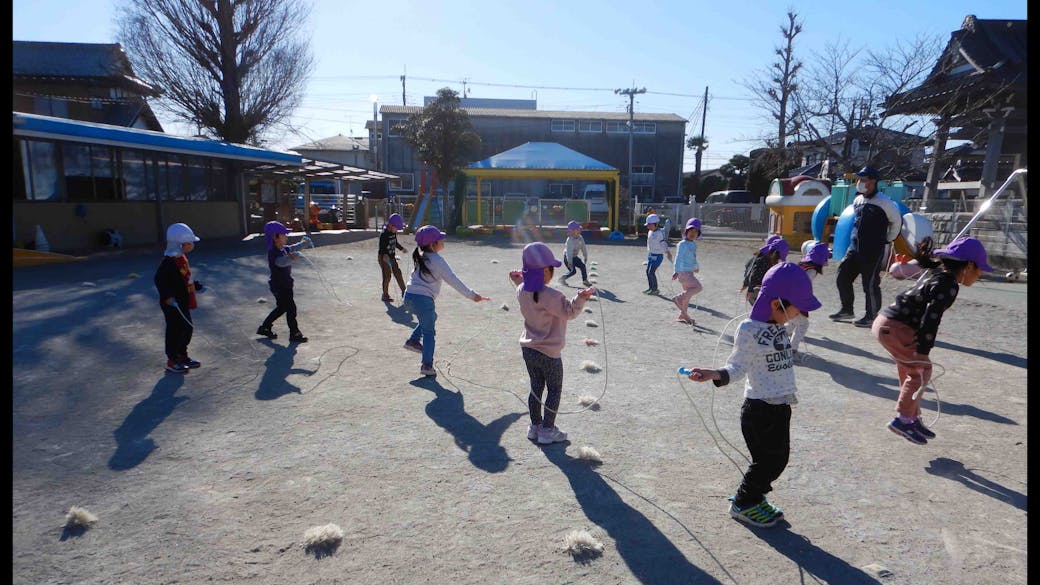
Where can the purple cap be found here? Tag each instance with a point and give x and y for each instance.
(773, 237)
(272, 229)
(573, 225)
(818, 254)
(427, 235)
(785, 281)
(694, 222)
(536, 257)
(968, 249)
(777, 243)
(396, 220)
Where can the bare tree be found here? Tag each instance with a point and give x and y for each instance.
(234, 68)
(774, 88)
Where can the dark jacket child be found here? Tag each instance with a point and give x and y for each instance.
(177, 296)
(279, 259)
(388, 247)
(775, 250)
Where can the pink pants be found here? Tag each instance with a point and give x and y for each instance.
(901, 341)
(691, 286)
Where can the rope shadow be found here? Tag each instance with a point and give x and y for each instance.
(955, 470)
(650, 556)
(482, 443)
(133, 445)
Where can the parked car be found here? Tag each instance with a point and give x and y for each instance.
(730, 216)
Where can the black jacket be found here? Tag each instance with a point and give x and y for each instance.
(170, 282)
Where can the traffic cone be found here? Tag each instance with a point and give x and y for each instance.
(41, 241)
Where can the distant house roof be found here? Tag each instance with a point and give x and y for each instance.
(76, 61)
(868, 133)
(541, 156)
(982, 56)
(336, 143)
(507, 113)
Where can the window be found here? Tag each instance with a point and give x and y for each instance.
(617, 127)
(79, 183)
(642, 191)
(643, 175)
(134, 175)
(40, 165)
(644, 127)
(590, 125)
(563, 125)
(96, 104)
(392, 130)
(175, 177)
(102, 165)
(561, 190)
(405, 183)
(196, 178)
(49, 106)
(219, 189)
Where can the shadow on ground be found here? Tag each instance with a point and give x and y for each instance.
(955, 470)
(810, 558)
(482, 443)
(277, 368)
(133, 445)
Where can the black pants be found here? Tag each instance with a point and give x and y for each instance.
(285, 306)
(387, 270)
(178, 332)
(767, 432)
(575, 265)
(545, 373)
(868, 268)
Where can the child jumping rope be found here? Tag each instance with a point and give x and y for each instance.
(685, 267)
(775, 250)
(575, 243)
(546, 312)
(762, 352)
(388, 247)
(656, 249)
(812, 263)
(423, 287)
(279, 259)
(907, 328)
(177, 296)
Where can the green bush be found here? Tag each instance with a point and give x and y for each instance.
(463, 231)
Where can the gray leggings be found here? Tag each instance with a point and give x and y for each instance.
(545, 372)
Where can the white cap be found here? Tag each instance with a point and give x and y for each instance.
(180, 233)
(652, 218)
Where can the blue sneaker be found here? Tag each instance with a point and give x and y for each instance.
(923, 429)
(755, 515)
(907, 430)
(190, 363)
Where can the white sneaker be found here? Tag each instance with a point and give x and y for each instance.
(532, 432)
(551, 435)
(426, 370)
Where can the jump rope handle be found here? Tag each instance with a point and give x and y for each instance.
(684, 371)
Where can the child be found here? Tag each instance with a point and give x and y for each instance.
(575, 244)
(761, 351)
(177, 296)
(279, 259)
(546, 312)
(656, 249)
(423, 287)
(775, 250)
(388, 247)
(685, 267)
(812, 263)
(907, 328)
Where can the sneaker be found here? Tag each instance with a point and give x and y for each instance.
(187, 361)
(908, 430)
(654, 291)
(176, 368)
(532, 432)
(767, 507)
(923, 429)
(427, 370)
(297, 337)
(866, 321)
(755, 515)
(413, 345)
(551, 435)
(685, 319)
(647, 291)
(586, 283)
(266, 332)
(387, 298)
(843, 314)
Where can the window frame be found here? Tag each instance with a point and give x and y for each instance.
(555, 122)
(589, 123)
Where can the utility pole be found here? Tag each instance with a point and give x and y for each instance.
(631, 93)
(403, 102)
(700, 147)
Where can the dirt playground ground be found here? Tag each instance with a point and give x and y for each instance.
(216, 476)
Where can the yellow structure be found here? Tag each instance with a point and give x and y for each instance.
(34, 257)
(791, 204)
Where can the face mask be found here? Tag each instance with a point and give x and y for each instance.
(861, 187)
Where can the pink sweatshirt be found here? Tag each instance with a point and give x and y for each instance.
(545, 322)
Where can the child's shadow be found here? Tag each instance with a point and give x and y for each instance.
(132, 442)
(955, 470)
(400, 314)
(276, 369)
(481, 442)
(809, 557)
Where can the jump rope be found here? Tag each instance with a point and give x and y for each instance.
(450, 362)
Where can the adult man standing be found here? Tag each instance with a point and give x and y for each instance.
(877, 222)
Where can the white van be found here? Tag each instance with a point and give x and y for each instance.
(596, 195)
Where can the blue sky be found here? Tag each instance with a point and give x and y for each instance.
(668, 47)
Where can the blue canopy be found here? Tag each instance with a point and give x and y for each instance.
(541, 156)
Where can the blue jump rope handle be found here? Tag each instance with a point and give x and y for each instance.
(684, 371)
